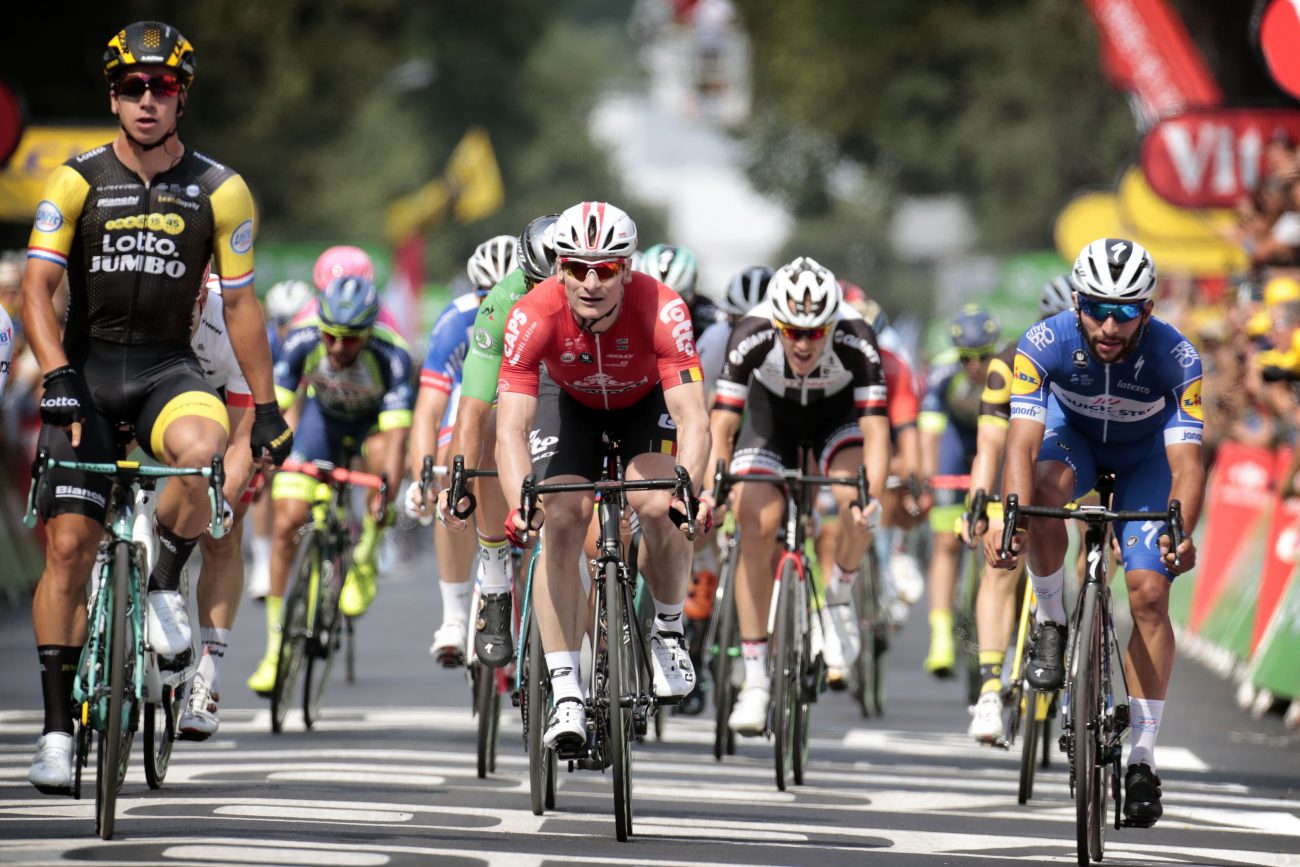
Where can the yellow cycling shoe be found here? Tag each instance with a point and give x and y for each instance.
(358, 590)
(262, 681)
(942, 658)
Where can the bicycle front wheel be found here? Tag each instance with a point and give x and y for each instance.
(785, 675)
(965, 635)
(327, 626)
(869, 666)
(1031, 731)
(724, 663)
(537, 704)
(1084, 721)
(487, 707)
(114, 737)
(621, 694)
(294, 626)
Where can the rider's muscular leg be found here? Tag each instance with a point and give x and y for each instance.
(183, 508)
(59, 611)
(221, 581)
(759, 509)
(1149, 662)
(1048, 539)
(558, 595)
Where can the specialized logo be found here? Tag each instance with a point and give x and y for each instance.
(1025, 378)
(1137, 366)
(1190, 402)
(48, 217)
(172, 224)
(241, 241)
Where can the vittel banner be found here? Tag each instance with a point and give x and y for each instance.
(1211, 157)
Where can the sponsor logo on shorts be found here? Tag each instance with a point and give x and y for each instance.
(72, 492)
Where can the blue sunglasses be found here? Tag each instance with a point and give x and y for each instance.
(1103, 310)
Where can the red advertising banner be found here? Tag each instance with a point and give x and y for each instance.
(1279, 41)
(1145, 50)
(13, 118)
(1239, 493)
(1282, 554)
(1210, 157)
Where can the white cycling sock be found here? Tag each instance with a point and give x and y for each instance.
(455, 601)
(261, 551)
(494, 566)
(1144, 718)
(668, 617)
(214, 650)
(566, 681)
(754, 654)
(1050, 590)
(840, 588)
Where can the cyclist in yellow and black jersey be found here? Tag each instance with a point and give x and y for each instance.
(133, 223)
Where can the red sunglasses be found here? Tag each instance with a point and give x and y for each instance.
(796, 334)
(134, 84)
(578, 270)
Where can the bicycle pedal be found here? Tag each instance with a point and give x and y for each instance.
(1000, 744)
(1138, 823)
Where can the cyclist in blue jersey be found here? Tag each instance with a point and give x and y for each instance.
(439, 399)
(1108, 387)
(359, 392)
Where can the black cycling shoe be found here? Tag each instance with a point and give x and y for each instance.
(1142, 796)
(492, 631)
(1047, 663)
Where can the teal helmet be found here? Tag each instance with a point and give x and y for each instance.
(349, 305)
(974, 330)
(671, 265)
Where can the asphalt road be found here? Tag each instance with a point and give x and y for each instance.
(388, 777)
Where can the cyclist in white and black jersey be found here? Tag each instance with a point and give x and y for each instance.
(803, 367)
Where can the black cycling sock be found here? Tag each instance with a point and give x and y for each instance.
(58, 673)
(991, 665)
(173, 552)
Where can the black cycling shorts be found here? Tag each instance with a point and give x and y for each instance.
(774, 427)
(142, 387)
(566, 437)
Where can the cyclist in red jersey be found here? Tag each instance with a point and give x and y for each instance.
(620, 360)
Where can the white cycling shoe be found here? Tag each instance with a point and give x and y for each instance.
(674, 672)
(200, 721)
(449, 641)
(567, 726)
(986, 718)
(749, 715)
(169, 622)
(840, 630)
(51, 771)
(906, 576)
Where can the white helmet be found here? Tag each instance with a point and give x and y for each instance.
(1058, 295)
(492, 261)
(747, 290)
(286, 299)
(595, 231)
(1115, 269)
(804, 294)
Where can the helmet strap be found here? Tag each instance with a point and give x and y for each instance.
(588, 325)
(180, 113)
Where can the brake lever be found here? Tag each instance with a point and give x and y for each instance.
(978, 512)
(528, 505)
(683, 493)
(458, 491)
(1011, 515)
(1176, 532)
(426, 481)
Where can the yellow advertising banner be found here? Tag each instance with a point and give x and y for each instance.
(1099, 215)
(42, 149)
(1143, 209)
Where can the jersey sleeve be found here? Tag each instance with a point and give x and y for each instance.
(483, 361)
(855, 344)
(1182, 372)
(751, 340)
(1029, 373)
(522, 347)
(232, 230)
(674, 342)
(904, 404)
(438, 372)
(6, 347)
(293, 358)
(995, 400)
(62, 199)
(395, 408)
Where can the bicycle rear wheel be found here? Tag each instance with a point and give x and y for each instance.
(321, 648)
(1083, 707)
(785, 675)
(114, 738)
(160, 734)
(294, 626)
(537, 703)
(621, 693)
(724, 663)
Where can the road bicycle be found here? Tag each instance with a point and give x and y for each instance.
(797, 674)
(1092, 721)
(312, 629)
(722, 643)
(119, 677)
(620, 692)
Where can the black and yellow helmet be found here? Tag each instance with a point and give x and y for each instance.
(150, 42)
